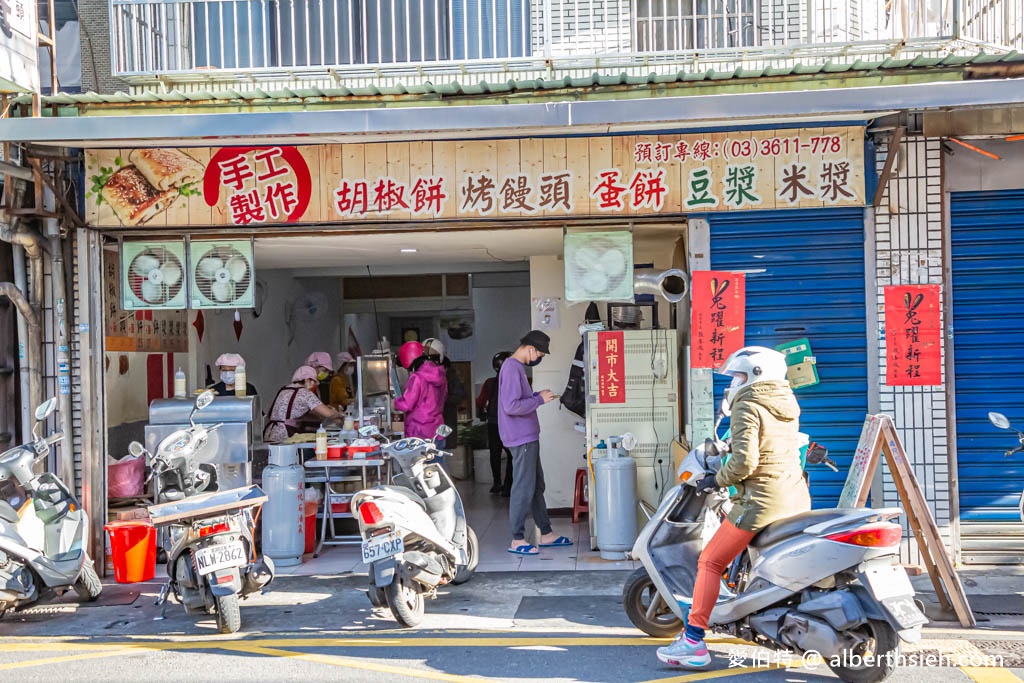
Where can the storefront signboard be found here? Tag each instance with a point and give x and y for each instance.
(474, 179)
(717, 316)
(913, 335)
(611, 368)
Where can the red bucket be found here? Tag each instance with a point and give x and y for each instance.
(311, 509)
(133, 549)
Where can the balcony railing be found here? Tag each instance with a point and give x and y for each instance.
(292, 39)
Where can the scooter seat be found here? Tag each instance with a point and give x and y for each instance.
(791, 526)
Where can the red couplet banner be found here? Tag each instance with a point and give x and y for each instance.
(611, 368)
(717, 316)
(913, 335)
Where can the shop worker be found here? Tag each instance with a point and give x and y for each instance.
(422, 401)
(296, 408)
(343, 381)
(765, 470)
(520, 431)
(487, 408)
(321, 362)
(228, 363)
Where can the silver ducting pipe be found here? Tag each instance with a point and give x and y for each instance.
(61, 320)
(670, 285)
(21, 283)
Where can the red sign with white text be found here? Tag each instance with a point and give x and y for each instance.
(717, 316)
(913, 335)
(611, 368)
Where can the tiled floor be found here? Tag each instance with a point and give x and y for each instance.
(488, 515)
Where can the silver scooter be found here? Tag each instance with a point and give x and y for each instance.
(825, 581)
(999, 420)
(415, 535)
(43, 528)
(209, 539)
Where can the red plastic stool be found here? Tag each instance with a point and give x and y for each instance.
(579, 501)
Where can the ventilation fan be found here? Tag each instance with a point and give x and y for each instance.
(306, 308)
(152, 275)
(599, 266)
(222, 274)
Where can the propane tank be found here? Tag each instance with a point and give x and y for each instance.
(615, 499)
(284, 517)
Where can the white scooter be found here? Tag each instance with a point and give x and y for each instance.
(43, 528)
(415, 535)
(1000, 421)
(824, 581)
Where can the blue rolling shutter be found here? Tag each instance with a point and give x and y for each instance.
(987, 237)
(805, 278)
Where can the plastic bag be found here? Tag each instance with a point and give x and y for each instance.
(126, 478)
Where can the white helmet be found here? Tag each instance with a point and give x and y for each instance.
(434, 347)
(750, 365)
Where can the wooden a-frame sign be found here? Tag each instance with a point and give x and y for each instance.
(879, 436)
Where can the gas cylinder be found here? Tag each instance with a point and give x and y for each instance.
(284, 512)
(615, 501)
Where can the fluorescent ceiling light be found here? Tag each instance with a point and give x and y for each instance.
(408, 250)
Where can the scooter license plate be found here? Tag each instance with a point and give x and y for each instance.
(888, 581)
(904, 610)
(220, 556)
(379, 547)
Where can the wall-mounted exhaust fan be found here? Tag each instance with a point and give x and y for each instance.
(599, 266)
(222, 274)
(152, 275)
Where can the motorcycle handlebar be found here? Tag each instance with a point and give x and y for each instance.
(54, 438)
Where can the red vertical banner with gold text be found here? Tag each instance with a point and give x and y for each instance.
(913, 335)
(717, 316)
(611, 370)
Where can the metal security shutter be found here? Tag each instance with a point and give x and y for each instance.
(987, 237)
(805, 278)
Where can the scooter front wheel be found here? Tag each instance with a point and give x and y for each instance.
(88, 585)
(405, 601)
(645, 607)
(229, 616)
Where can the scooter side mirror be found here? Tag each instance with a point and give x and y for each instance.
(204, 399)
(999, 420)
(369, 431)
(136, 449)
(46, 409)
(443, 431)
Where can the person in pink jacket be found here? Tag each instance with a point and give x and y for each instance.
(423, 399)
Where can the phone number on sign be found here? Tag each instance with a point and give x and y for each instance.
(773, 147)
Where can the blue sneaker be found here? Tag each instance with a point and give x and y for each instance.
(681, 652)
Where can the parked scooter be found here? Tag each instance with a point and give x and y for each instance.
(43, 528)
(823, 581)
(1000, 421)
(211, 554)
(415, 535)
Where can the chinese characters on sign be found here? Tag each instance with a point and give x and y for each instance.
(628, 175)
(717, 316)
(611, 369)
(913, 335)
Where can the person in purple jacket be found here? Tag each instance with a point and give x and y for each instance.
(520, 432)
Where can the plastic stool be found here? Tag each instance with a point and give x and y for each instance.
(579, 501)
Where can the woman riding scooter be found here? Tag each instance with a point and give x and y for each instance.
(766, 473)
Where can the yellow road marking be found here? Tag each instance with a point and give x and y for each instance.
(984, 674)
(719, 673)
(59, 660)
(347, 663)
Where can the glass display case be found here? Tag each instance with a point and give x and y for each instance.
(379, 381)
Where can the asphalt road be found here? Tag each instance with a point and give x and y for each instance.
(511, 627)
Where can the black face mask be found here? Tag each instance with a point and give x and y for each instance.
(535, 363)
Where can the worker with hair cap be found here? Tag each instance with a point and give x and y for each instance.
(321, 362)
(343, 381)
(295, 409)
(228, 363)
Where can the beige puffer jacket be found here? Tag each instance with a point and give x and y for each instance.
(765, 463)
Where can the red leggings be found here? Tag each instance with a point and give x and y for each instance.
(725, 545)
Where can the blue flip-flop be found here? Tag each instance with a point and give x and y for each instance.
(560, 542)
(524, 550)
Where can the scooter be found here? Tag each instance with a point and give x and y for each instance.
(43, 528)
(415, 535)
(211, 553)
(825, 581)
(999, 420)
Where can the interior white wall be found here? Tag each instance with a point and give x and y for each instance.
(502, 318)
(271, 349)
(126, 394)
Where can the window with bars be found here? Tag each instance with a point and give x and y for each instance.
(675, 25)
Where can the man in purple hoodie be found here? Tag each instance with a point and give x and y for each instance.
(520, 432)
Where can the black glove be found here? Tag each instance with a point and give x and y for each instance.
(706, 484)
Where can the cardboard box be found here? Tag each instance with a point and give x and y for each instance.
(127, 514)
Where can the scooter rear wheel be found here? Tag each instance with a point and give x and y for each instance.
(405, 601)
(637, 597)
(884, 649)
(88, 585)
(229, 617)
